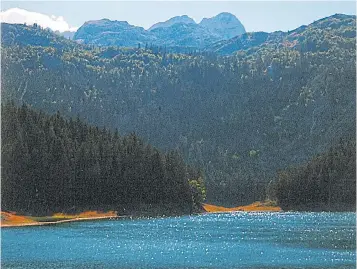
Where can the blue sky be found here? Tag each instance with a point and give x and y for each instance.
(255, 15)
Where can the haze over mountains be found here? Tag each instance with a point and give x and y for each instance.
(180, 31)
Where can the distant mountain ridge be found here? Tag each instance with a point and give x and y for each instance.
(177, 31)
(107, 33)
(182, 37)
(337, 24)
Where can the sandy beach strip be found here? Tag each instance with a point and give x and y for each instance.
(59, 221)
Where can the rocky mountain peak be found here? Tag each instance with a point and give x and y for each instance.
(224, 24)
(184, 19)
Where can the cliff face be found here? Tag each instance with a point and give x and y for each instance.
(225, 24)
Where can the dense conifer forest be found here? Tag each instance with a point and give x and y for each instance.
(50, 164)
(327, 182)
(273, 101)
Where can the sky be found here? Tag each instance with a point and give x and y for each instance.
(265, 16)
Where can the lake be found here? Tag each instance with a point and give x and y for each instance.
(234, 240)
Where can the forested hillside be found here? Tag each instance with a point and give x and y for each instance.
(239, 117)
(327, 182)
(50, 164)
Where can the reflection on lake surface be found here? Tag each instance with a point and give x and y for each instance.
(239, 240)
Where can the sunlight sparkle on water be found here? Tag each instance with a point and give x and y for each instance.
(238, 240)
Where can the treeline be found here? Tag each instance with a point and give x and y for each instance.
(327, 182)
(50, 164)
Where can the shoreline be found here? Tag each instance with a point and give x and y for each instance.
(10, 219)
(49, 223)
(59, 221)
(254, 207)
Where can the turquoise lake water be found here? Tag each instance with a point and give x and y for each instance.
(239, 240)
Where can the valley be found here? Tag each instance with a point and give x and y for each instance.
(275, 100)
(173, 135)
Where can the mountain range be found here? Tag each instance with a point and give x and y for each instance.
(180, 31)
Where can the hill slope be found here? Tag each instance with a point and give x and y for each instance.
(307, 38)
(327, 182)
(50, 165)
(239, 117)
